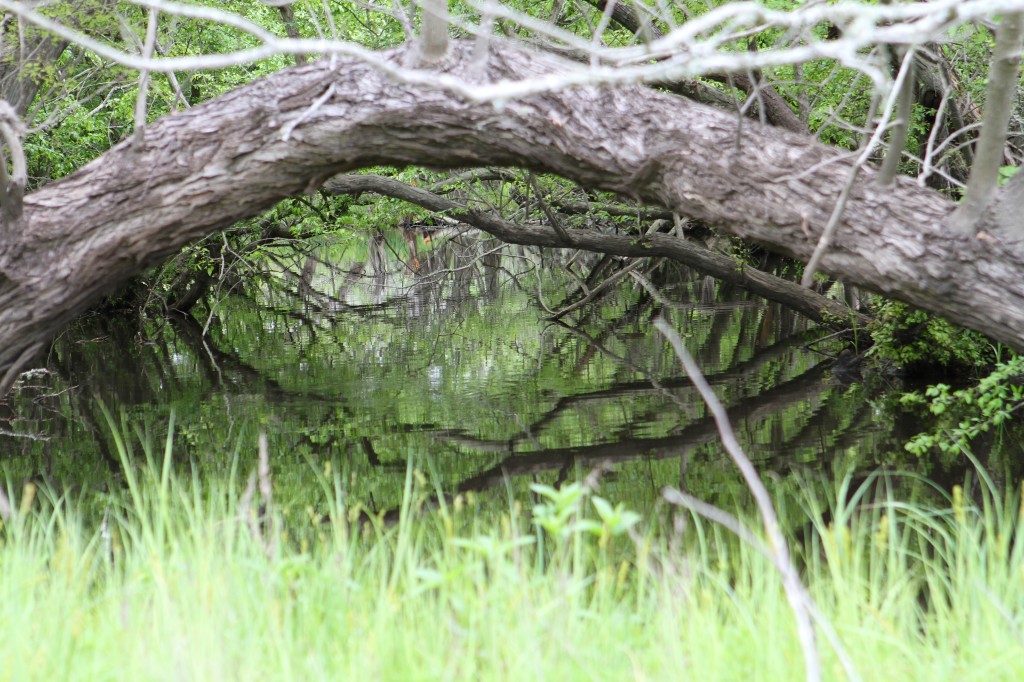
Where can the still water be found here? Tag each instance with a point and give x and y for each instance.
(353, 361)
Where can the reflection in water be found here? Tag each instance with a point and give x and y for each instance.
(353, 357)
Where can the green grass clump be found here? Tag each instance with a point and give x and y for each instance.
(175, 578)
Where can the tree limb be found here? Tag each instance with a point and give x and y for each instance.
(200, 170)
(812, 305)
(901, 128)
(433, 41)
(800, 600)
(12, 186)
(1002, 91)
(291, 29)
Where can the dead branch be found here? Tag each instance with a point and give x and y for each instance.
(796, 593)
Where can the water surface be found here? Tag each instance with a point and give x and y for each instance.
(354, 362)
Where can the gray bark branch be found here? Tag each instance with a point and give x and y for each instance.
(291, 29)
(1002, 91)
(200, 170)
(813, 305)
(433, 31)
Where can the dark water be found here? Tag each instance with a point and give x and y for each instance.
(352, 361)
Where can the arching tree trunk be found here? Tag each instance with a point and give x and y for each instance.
(198, 171)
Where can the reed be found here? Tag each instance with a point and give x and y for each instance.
(176, 578)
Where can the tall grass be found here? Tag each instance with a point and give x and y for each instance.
(170, 579)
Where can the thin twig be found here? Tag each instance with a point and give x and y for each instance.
(737, 528)
(27, 436)
(716, 515)
(599, 288)
(602, 26)
(697, 46)
(286, 132)
(837, 211)
(795, 591)
(556, 224)
(140, 101)
(929, 150)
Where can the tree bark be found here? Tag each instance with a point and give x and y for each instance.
(20, 72)
(198, 171)
(291, 29)
(1003, 80)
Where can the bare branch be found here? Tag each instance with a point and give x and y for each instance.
(140, 100)
(12, 186)
(773, 105)
(433, 42)
(901, 128)
(740, 530)
(291, 30)
(556, 224)
(702, 45)
(796, 593)
(602, 26)
(808, 303)
(827, 234)
(603, 286)
(1001, 93)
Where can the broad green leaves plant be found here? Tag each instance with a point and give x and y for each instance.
(967, 413)
(562, 513)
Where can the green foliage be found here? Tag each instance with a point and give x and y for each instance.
(96, 584)
(86, 105)
(558, 514)
(966, 413)
(907, 336)
(562, 513)
(912, 338)
(1007, 172)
